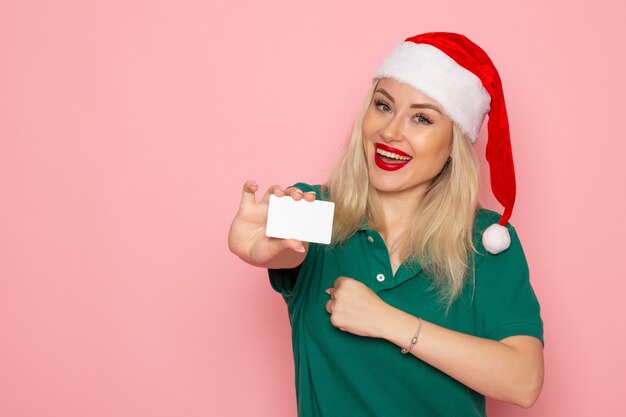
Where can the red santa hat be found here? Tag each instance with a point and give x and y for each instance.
(460, 77)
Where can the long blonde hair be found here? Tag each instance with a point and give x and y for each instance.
(440, 238)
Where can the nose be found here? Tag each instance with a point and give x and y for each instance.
(394, 130)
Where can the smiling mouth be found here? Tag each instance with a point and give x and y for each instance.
(391, 156)
(390, 159)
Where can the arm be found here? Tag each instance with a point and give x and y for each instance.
(509, 370)
(247, 239)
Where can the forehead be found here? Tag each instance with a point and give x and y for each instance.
(403, 92)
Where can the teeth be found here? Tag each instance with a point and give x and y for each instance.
(392, 155)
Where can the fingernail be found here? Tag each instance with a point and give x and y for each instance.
(300, 249)
(312, 192)
(327, 291)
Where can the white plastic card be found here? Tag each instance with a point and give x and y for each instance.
(309, 221)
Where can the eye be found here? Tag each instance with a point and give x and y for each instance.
(381, 103)
(423, 119)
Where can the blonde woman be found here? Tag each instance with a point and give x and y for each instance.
(422, 304)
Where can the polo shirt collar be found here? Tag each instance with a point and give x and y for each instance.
(408, 270)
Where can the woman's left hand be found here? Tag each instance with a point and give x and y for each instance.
(355, 308)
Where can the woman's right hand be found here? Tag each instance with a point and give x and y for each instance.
(247, 239)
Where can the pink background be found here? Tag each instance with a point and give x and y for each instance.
(128, 127)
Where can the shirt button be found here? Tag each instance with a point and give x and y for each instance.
(380, 277)
(370, 239)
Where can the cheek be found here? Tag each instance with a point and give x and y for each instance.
(433, 149)
(373, 121)
(368, 125)
(368, 132)
(428, 148)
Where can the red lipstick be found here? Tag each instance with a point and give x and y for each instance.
(389, 166)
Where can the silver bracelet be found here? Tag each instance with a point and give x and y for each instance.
(414, 340)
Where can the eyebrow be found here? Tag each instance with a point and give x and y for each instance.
(413, 106)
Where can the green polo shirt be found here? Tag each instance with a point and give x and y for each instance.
(339, 374)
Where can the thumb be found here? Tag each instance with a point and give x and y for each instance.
(293, 244)
(247, 196)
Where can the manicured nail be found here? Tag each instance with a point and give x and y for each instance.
(312, 192)
(300, 249)
(327, 291)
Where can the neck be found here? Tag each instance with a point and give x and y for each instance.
(398, 209)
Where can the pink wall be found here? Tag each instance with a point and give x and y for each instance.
(128, 127)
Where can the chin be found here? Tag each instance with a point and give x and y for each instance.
(381, 185)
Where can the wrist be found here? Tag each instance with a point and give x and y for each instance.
(403, 328)
(390, 323)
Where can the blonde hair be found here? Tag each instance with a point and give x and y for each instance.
(441, 236)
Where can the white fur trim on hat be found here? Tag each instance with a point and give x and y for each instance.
(427, 69)
(496, 238)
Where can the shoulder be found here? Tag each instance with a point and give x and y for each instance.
(485, 218)
(500, 275)
(506, 304)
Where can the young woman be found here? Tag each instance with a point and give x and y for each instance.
(422, 304)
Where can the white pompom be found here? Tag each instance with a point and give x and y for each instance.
(496, 238)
